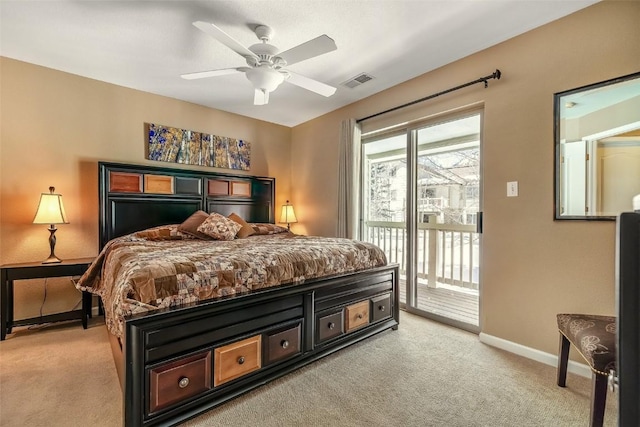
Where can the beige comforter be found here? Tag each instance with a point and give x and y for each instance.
(134, 274)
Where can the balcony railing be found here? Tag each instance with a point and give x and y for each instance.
(447, 253)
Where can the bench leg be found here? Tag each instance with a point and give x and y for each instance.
(563, 360)
(598, 399)
(86, 308)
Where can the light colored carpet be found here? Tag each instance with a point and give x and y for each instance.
(424, 374)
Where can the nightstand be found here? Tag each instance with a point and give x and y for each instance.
(36, 270)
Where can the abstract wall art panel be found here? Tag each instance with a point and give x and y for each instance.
(221, 151)
(168, 144)
(208, 150)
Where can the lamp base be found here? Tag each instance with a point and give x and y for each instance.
(52, 260)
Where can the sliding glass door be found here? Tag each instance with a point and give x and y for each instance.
(421, 205)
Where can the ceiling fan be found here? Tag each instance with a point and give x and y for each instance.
(266, 65)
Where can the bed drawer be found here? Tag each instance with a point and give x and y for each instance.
(330, 326)
(380, 307)
(283, 344)
(178, 380)
(357, 315)
(236, 359)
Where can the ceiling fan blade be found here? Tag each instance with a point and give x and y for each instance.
(213, 73)
(315, 47)
(224, 38)
(310, 84)
(261, 97)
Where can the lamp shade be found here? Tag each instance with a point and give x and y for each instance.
(50, 209)
(287, 215)
(264, 78)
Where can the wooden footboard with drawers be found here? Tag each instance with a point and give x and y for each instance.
(181, 362)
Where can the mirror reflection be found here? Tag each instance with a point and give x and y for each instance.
(597, 149)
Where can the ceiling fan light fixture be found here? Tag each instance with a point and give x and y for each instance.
(264, 78)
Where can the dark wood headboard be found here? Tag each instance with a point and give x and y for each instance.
(135, 197)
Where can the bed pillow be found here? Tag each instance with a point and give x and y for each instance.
(246, 230)
(267, 228)
(191, 224)
(219, 227)
(163, 232)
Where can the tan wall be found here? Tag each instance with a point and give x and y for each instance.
(532, 266)
(55, 127)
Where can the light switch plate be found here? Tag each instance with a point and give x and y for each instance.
(512, 189)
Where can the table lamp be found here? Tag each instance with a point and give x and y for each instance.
(287, 216)
(51, 211)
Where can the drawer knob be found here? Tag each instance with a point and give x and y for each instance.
(359, 315)
(381, 308)
(240, 360)
(284, 344)
(184, 382)
(331, 325)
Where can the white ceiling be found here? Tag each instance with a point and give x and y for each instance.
(146, 45)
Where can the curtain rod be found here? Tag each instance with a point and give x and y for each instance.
(495, 75)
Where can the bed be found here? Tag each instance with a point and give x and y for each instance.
(195, 321)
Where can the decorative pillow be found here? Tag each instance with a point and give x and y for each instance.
(246, 229)
(266, 228)
(191, 224)
(163, 232)
(219, 227)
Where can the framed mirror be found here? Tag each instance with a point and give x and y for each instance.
(597, 149)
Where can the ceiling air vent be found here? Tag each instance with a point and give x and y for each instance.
(357, 80)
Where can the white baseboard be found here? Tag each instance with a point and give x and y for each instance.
(531, 353)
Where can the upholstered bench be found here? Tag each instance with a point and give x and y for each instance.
(595, 339)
